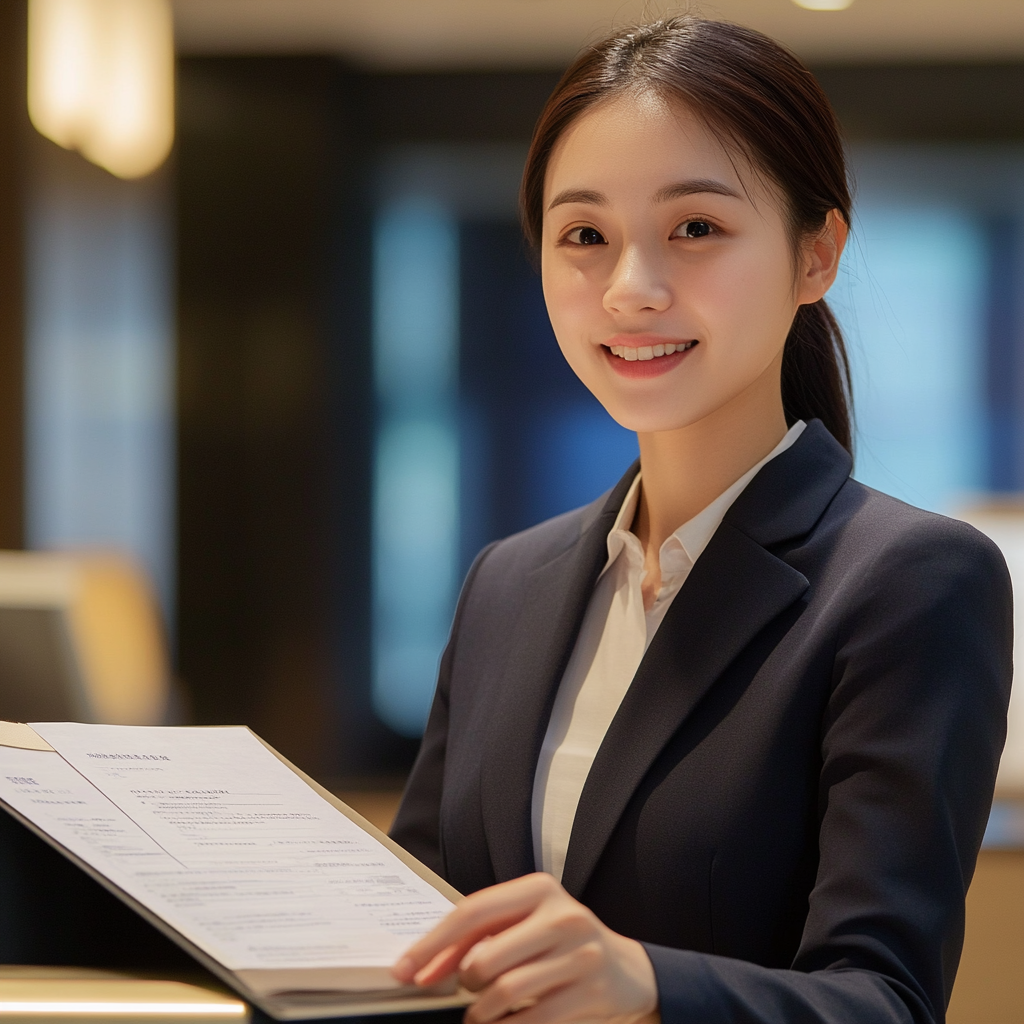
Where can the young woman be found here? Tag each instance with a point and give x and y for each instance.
(721, 745)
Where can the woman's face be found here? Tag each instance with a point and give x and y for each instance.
(667, 266)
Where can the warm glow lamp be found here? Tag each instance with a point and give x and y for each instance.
(101, 79)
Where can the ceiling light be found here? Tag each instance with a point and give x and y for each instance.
(101, 79)
(823, 5)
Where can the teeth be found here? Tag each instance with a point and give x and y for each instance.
(643, 353)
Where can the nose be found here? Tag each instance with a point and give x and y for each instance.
(638, 284)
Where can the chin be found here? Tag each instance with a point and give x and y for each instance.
(651, 420)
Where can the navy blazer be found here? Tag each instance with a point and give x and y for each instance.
(788, 805)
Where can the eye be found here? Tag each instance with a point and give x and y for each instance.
(585, 236)
(693, 229)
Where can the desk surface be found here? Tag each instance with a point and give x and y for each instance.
(38, 995)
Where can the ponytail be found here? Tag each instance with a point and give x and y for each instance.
(816, 372)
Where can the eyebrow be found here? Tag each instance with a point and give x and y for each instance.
(695, 186)
(678, 190)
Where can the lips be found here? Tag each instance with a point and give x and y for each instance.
(639, 362)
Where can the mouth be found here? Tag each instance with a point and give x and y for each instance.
(640, 361)
(643, 353)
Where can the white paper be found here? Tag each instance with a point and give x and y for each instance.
(208, 829)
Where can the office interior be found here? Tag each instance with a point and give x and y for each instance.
(268, 399)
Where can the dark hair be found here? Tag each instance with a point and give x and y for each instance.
(760, 98)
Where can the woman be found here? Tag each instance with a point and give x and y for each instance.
(720, 746)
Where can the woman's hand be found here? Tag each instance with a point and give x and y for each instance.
(528, 948)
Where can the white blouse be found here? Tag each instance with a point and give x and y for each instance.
(613, 639)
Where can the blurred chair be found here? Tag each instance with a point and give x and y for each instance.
(1003, 521)
(81, 639)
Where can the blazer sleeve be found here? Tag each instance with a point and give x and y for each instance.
(417, 825)
(910, 746)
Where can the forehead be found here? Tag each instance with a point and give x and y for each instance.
(636, 144)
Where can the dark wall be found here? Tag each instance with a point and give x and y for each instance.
(453, 107)
(13, 131)
(940, 102)
(928, 102)
(273, 393)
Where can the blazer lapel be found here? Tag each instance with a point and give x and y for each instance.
(554, 601)
(734, 590)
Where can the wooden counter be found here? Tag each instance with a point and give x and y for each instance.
(62, 995)
(990, 986)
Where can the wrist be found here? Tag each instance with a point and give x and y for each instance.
(642, 981)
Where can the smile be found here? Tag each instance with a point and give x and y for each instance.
(642, 353)
(641, 362)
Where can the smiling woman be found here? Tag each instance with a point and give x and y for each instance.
(720, 746)
(754, 143)
(639, 263)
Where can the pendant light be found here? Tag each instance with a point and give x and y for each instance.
(101, 79)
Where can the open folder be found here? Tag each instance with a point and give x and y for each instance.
(268, 880)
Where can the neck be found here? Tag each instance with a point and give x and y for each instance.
(684, 470)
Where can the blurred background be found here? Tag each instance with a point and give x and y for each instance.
(268, 328)
(274, 365)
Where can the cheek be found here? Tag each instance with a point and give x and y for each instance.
(574, 306)
(746, 298)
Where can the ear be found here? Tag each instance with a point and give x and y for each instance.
(821, 259)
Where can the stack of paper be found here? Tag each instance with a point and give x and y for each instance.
(268, 880)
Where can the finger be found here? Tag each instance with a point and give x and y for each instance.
(484, 913)
(446, 945)
(556, 925)
(495, 955)
(526, 985)
(446, 962)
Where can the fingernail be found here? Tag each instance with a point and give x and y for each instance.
(403, 969)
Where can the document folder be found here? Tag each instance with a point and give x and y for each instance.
(264, 877)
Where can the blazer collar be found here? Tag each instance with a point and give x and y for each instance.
(790, 493)
(735, 589)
